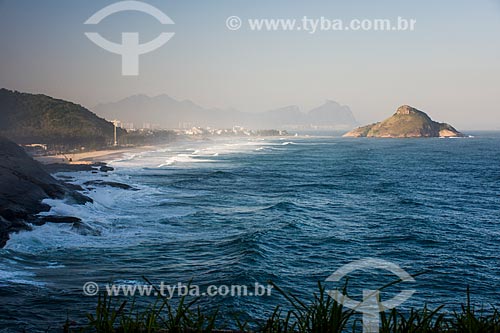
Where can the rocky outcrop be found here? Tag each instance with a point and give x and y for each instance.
(65, 167)
(23, 185)
(407, 122)
(110, 184)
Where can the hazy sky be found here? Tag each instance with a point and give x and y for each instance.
(449, 66)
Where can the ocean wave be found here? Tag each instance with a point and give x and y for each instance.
(12, 274)
(315, 186)
(285, 206)
(186, 153)
(246, 245)
(265, 149)
(186, 159)
(294, 217)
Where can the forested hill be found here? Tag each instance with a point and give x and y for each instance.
(28, 118)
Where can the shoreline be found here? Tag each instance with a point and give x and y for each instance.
(89, 157)
(108, 155)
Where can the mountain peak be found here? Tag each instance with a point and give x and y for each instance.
(331, 113)
(330, 102)
(406, 110)
(168, 112)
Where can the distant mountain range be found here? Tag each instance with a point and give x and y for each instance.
(28, 118)
(166, 112)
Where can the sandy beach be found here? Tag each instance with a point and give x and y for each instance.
(88, 157)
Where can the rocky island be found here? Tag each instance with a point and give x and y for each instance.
(407, 122)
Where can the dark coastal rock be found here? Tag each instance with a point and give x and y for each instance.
(23, 185)
(66, 178)
(73, 187)
(106, 168)
(41, 220)
(75, 197)
(110, 184)
(85, 230)
(65, 167)
(5, 227)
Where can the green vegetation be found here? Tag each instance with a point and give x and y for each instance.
(321, 314)
(63, 126)
(27, 118)
(404, 125)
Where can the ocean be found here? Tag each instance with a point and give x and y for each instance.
(293, 210)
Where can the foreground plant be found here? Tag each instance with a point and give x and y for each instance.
(161, 316)
(321, 315)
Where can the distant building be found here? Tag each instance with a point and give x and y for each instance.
(128, 126)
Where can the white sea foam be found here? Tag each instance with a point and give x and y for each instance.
(10, 276)
(183, 158)
(115, 219)
(186, 153)
(54, 265)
